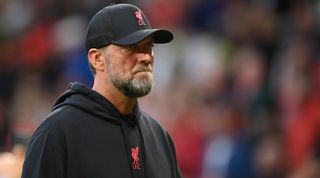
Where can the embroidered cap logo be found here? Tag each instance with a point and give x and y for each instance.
(140, 18)
(135, 156)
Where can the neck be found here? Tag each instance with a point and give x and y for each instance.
(123, 103)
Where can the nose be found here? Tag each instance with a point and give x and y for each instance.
(145, 57)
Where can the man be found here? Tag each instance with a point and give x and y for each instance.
(101, 132)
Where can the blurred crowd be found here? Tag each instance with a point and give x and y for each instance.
(238, 88)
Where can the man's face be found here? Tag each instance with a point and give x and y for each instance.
(129, 68)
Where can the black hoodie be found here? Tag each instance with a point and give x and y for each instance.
(85, 136)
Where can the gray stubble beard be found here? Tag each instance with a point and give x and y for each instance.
(128, 85)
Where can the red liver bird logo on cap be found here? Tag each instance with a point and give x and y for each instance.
(140, 18)
(135, 156)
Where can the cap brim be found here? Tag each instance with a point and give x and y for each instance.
(158, 35)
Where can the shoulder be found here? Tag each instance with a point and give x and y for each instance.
(150, 123)
(56, 121)
(153, 130)
(50, 134)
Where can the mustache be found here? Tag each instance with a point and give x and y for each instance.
(144, 68)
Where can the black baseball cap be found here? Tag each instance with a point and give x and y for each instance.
(122, 24)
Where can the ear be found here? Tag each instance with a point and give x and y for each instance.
(96, 59)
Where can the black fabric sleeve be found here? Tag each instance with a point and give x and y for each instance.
(45, 157)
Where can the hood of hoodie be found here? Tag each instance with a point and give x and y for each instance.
(82, 97)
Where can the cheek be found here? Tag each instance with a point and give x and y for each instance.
(126, 69)
(122, 65)
(128, 66)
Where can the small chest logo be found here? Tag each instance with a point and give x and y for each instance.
(140, 18)
(135, 157)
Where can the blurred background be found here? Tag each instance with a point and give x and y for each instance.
(238, 88)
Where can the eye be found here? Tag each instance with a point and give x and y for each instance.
(149, 46)
(139, 48)
(130, 47)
